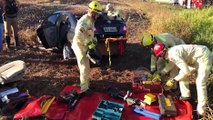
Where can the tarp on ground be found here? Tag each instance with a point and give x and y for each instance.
(87, 106)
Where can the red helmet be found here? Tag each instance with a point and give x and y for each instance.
(158, 49)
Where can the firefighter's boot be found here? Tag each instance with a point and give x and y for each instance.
(17, 42)
(8, 42)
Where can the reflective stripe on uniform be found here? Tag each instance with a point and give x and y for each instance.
(84, 82)
(164, 71)
(152, 67)
(80, 57)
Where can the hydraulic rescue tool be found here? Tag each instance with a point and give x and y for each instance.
(71, 98)
(115, 93)
(166, 105)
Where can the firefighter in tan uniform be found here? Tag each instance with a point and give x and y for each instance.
(83, 40)
(159, 64)
(188, 58)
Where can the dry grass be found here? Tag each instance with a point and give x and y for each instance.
(28, 36)
(62, 1)
(157, 15)
(44, 1)
(209, 114)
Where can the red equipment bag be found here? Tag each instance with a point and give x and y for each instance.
(32, 109)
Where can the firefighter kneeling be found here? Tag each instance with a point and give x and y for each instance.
(188, 58)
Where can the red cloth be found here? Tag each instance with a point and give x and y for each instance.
(87, 105)
(32, 109)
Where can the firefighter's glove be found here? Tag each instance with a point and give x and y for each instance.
(169, 84)
(91, 46)
(155, 77)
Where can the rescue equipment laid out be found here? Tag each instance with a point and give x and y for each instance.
(147, 113)
(71, 98)
(99, 106)
(167, 106)
(108, 110)
(115, 93)
(144, 81)
(115, 105)
(149, 98)
(11, 99)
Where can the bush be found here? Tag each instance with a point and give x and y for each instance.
(201, 23)
(194, 26)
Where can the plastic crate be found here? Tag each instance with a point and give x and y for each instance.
(108, 110)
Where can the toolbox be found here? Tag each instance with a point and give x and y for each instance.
(167, 106)
(108, 110)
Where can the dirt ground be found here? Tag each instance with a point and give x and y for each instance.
(47, 75)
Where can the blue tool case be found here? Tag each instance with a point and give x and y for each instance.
(108, 110)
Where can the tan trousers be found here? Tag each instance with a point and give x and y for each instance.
(11, 71)
(84, 68)
(203, 67)
(11, 23)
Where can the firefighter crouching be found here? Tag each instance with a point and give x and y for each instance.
(159, 64)
(188, 58)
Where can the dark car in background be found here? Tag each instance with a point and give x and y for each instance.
(52, 33)
(111, 34)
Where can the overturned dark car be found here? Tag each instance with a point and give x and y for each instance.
(52, 32)
(111, 34)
